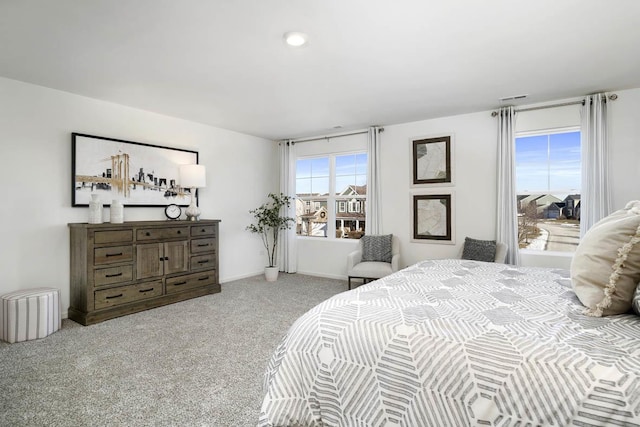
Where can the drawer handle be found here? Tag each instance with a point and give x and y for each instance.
(145, 290)
(147, 234)
(113, 275)
(179, 232)
(115, 296)
(118, 254)
(202, 245)
(203, 278)
(179, 283)
(204, 261)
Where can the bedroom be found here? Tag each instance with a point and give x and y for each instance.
(36, 123)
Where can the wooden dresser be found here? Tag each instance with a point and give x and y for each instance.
(119, 269)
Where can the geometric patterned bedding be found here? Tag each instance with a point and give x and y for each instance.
(456, 343)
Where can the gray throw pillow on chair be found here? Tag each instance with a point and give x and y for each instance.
(479, 250)
(376, 248)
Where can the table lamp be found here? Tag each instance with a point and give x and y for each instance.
(193, 177)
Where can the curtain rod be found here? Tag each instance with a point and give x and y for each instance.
(612, 97)
(337, 135)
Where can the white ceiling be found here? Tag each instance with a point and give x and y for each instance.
(223, 62)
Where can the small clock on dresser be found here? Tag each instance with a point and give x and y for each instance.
(173, 211)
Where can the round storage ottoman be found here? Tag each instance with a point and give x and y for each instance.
(29, 314)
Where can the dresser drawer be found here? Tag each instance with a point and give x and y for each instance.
(112, 255)
(182, 283)
(162, 233)
(202, 245)
(203, 230)
(108, 276)
(113, 236)
(124, 294)
(203, 262)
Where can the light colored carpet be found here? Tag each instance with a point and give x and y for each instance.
(195, 363)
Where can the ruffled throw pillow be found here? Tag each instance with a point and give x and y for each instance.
(605, 269)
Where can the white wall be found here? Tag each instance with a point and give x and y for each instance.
(35, 147)
(474, 157)
(624, 136)
(474, 188)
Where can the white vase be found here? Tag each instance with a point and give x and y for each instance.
(116, 212)
(95, 210)
(271, 274)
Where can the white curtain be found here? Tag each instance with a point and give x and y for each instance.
(287, 251)
(595, 197)
(373, 207)
(507, 212)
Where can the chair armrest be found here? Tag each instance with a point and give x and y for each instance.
(352, 259)
(395, 262)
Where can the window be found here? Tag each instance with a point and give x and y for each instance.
(336, 187)
(548, 180)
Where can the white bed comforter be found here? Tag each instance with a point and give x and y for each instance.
(456, 343)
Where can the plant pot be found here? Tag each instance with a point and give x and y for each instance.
(271, 274)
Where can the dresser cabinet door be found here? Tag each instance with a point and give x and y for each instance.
(176, 257)
(149, 260)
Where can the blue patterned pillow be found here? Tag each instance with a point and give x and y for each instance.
(479, 250)
(376, 248)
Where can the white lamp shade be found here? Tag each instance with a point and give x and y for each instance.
(193, 176)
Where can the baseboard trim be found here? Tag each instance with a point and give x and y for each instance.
(240, 277)
(324, 275)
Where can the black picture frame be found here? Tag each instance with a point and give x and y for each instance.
(137, 174)
(429, 213)
(432, 160)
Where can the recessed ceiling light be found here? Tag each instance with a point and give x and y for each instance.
(295, 38)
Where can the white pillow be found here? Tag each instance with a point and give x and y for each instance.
(606, 266)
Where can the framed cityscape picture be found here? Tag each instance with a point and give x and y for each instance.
(432, 214)
(432, 160)
(137, 174)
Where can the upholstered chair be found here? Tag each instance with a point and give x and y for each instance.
(377, 256)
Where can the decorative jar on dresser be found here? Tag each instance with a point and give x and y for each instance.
(119, 269)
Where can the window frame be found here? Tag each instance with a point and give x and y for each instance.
(332, 198)
(540, 132)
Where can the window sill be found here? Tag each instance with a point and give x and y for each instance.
(532, 252)
(325, 239)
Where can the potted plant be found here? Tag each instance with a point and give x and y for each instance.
(268, 221)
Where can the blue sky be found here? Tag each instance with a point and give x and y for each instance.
(312, 175)
(548, 163)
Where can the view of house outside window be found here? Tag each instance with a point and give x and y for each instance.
(548, 177)
(331, 193)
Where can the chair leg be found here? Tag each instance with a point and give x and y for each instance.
(349, 282)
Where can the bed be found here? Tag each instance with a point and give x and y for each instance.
(456, 343)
